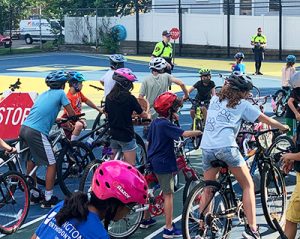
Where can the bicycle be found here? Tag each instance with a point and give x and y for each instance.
(280, 99)
(98, 120)
(14, 201)
(199, 120)
(218, 221)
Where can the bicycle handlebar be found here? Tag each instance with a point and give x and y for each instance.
(141, 120)
(72, 118)
(96, 87)
(198, 102)
(259, 133)
(257, 99)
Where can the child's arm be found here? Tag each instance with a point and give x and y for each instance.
(292, 107)
(182, 86)
(274, 123)
(6, 147)
(213, 91)
(190, 90)
(191, 133)
(92, 105)
(288, 160)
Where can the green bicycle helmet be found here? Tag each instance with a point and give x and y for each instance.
(204, 72)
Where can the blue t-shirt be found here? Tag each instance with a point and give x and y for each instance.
(92, 228)
(240, 67)
(45, 110)
(222, 123)
(161, 136)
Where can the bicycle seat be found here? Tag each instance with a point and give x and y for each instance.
(218, 164)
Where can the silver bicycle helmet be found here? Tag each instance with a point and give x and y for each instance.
(157, 63)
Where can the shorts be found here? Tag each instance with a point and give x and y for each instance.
(123, 146)
(292, 123)
(166, 182)
(293, 209)
(230, 155)
(40, 149)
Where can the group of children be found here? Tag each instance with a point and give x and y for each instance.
(224, 116)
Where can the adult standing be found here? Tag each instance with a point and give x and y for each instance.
(164, 49)
(259, 42)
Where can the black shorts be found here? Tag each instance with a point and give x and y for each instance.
(40, 150)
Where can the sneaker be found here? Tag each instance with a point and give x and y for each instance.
(146, 223)
(249, 234)
(36, 200)
(174, 233)
(50, 203)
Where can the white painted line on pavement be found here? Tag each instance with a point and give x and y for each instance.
(153, 234)
(29, 223)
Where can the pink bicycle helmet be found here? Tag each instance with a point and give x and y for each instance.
(124, 74)
(120, 180)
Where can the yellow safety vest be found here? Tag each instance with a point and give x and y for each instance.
(163, 50)
(261, 39)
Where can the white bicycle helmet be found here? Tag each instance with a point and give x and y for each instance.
(295, 80)
(157, 63)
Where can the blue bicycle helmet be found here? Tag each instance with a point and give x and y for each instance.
(117, 61)
(56, 79)
(291, 59)
(75, 76)
(239, 55)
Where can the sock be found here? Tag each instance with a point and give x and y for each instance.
(34, 193)
(74, 137)
(48, 195)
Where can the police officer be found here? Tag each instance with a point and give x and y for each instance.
(164, 49)
(259, 42)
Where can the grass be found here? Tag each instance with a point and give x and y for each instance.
(6, 51)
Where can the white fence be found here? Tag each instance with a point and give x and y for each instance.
(197, 29)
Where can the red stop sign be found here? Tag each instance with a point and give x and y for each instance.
(13, 111)
(175, 33)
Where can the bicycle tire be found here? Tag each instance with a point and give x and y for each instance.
(86, 179)
(255, 92)
(130, 228)
(190, 222)
(141, 153)
(197, 140)
(190, 184)
(272, 174)
(97, 121)
(10, 182)
(278, 98)
(71, 164)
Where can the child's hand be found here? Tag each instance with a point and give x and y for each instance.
(287, 167)
(11, 151)
(286, 128)
(297, 116)
(287, 158)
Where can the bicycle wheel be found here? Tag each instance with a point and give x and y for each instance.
(71, 164)
(87, 176)
(188, 187)
(215, 222)
(273, 195)
(14, 201)
(279, 97)
(126, 226)
(141, 154)
(197, 140)
(255, 92)
(98, 121)
(281, 144)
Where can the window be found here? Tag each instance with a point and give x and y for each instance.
(273, 5)
(245, 7)
(231, 7)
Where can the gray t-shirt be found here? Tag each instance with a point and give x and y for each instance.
(223, 123)
(153, 86)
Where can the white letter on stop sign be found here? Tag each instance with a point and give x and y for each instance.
(16, 117)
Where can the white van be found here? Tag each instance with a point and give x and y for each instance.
(30, 30)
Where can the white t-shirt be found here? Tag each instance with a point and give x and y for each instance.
(286, 75)
(109, 83)
(223, 123)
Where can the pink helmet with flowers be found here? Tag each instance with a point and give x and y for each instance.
(120, 180)
(124, 74)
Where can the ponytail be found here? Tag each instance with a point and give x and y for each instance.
(75, 206)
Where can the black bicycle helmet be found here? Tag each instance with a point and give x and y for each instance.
(240, 82)
(56, 79)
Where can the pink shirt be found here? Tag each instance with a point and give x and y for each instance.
(287, 73)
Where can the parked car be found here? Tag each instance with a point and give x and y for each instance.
(5, 41)
(15, 34)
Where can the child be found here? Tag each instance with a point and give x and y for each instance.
(292, 111)
(81, 215)
(8, 149)
(119, 106)
(35, 130)
(287, 72)
(224, 117)
(293, 209)
(239, 66)
(205, 90)
(162, 134)
(116, 61)
(76, 98)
